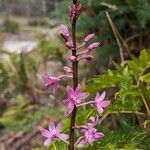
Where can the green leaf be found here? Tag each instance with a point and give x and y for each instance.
(145, 78)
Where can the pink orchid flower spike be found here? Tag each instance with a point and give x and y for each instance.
(100, 103)
(53, 133)
(74, 98)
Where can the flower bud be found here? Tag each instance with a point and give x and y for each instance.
(89, 37)
(93, 46)
(67, 69)
(74, 11)
(72, 58)
(64, 32)
(69, 45)
(88, 57)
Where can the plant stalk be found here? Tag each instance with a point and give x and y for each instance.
(75, 84)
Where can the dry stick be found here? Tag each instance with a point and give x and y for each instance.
(123, 41)
(120, 112)
(75, 84)
(146, 104)
(117, 39)
(143, 98)
(118, 35)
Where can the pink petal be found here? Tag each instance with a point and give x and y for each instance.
(69, 90)
(97, 96)
(63, 136)
(46, 133)
(78, 89)
(66, 101)
(104, 103)
(70, 108)
(99, 109)
(82, 144)
(92, 119)
(82, 95)
(99, 135)
(51, 127)
(47, 142)
(58, 128)
(102, 96)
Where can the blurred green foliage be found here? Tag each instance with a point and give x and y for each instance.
(19, 87)
(48, 48)
(130, 80)
(4, 75)
(11, 26)
(21, 116)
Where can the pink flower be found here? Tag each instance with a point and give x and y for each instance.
(64, 32)
(53, 133)
(90, 135)
(51, 81)
(93, 46)
(100, 103)
(92, 124)
(74, 11)
(67, 69)
(74, 98)
(89, 38)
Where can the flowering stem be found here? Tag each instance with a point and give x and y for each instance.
(83, 104)
(80, 46)
(80, 138)
(82, 53)
(63, 76)
(75, 83)
(64, 140)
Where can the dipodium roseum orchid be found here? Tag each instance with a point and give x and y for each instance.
(92, 124)
(51, 81)
(53, 133)
(89, 136)
(90, 133)
(75, 98)
(100, 103)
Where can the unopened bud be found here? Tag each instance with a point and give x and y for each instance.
(89, 37)
(74, 11)
(64, 32)
(93, 46)
(72, 58)
(69, 45)
(67, 69)
(88, 57)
